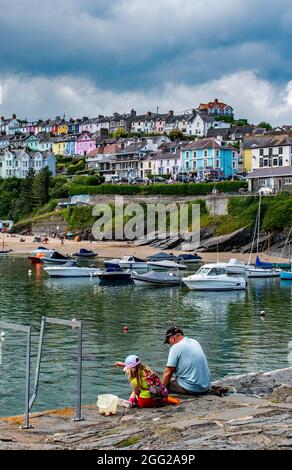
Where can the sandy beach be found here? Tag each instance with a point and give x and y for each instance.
(112, 249)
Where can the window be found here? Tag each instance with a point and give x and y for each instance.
(205, 153)
(261, 151)
(217, 163)
(205, 163)
(275, 162)
(149, 165)
(217, 153)
(234, 165)
(266, 162)
(187, 165)
(187, 154)
(280, 161)
(280, 150)
(194, 165)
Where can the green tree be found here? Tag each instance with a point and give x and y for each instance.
(265, 125)
(175, 134)
(26, 191)
(120, 132)
(41, 185)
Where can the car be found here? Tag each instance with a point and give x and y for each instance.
(265, 191)
(158, 179)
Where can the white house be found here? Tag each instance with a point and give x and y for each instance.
(16, 163)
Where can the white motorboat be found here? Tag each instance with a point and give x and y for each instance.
(166, 264)
(126, 262)
(156, 279)
(254, 271)
(41, 250)
(213, 277)
(71, 270)
(235, 266)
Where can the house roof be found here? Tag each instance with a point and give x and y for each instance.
(267, 140)
(270, 172)
(213, 104)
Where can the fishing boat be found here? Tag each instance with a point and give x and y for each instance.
(55, 258)
(126, 262)
(71, 270)
(114, 274)
(156, 279)
(212, 277)
(166, 264)
(188, 258)
(83, 253)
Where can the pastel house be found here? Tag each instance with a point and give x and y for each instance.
(207, 157)
(85, 144)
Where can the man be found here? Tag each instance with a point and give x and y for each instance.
(187, 360)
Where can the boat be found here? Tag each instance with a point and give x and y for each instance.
(189, 258)
(156, 279)
(161, 256)
(286, 275)
(235, 266)
(41, 250)
(166, 264)
(254, 271)
(261, 269)
(71, 270)
(55, 258)
(114, 274)
(83, 253)
(214, 278)
(126, 262)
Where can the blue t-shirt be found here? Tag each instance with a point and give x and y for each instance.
(191, 367)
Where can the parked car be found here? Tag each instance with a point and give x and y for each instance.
(265, 191)
(158, 179)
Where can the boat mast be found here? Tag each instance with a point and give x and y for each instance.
(254, 235)
(259, 224)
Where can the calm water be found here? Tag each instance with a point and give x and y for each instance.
(228, 326)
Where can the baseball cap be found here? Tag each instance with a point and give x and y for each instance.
(173, 330)
(131, 362)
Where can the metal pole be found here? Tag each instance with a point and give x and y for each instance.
(27, 388)
(38, 364)
(79, 377)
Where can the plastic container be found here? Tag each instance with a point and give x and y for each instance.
(107, 404)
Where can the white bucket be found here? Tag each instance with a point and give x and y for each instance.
(107, 404)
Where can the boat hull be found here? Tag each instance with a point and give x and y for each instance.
(53, 271)
(262, 273)
(214, 283)
(144, 282)
(286, 275)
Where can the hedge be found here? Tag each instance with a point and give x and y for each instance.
(189, 189)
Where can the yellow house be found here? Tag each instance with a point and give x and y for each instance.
(63, 128)
(59, 147)
(247, 159)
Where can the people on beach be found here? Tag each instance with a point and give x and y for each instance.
(147, 389)
(187, 361)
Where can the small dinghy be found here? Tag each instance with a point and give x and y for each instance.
(113, 275)
(161, 256)
(156, 279)
(83, 253)
(55, 258)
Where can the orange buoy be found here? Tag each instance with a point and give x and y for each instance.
(126, 329)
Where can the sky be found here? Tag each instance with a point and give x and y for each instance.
(91, 57)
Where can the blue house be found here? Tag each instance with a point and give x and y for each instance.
(70, 146)
(207, 158)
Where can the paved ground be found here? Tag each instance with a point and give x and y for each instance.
(258, 416)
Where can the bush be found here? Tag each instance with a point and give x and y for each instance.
(190, 189)
(80, 165)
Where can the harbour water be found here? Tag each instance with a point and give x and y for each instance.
(235, 337)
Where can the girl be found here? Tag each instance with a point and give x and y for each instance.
(138, 374)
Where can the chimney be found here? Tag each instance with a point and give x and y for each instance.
(133, 113)
(13, 116)
(149, 113)
(170, 112)
(2, 118)
(216, 100)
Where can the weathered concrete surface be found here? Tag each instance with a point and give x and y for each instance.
(258, 416)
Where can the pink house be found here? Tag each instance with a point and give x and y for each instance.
(85, 144)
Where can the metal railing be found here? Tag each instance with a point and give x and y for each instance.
(29, 400)
(27, 330)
